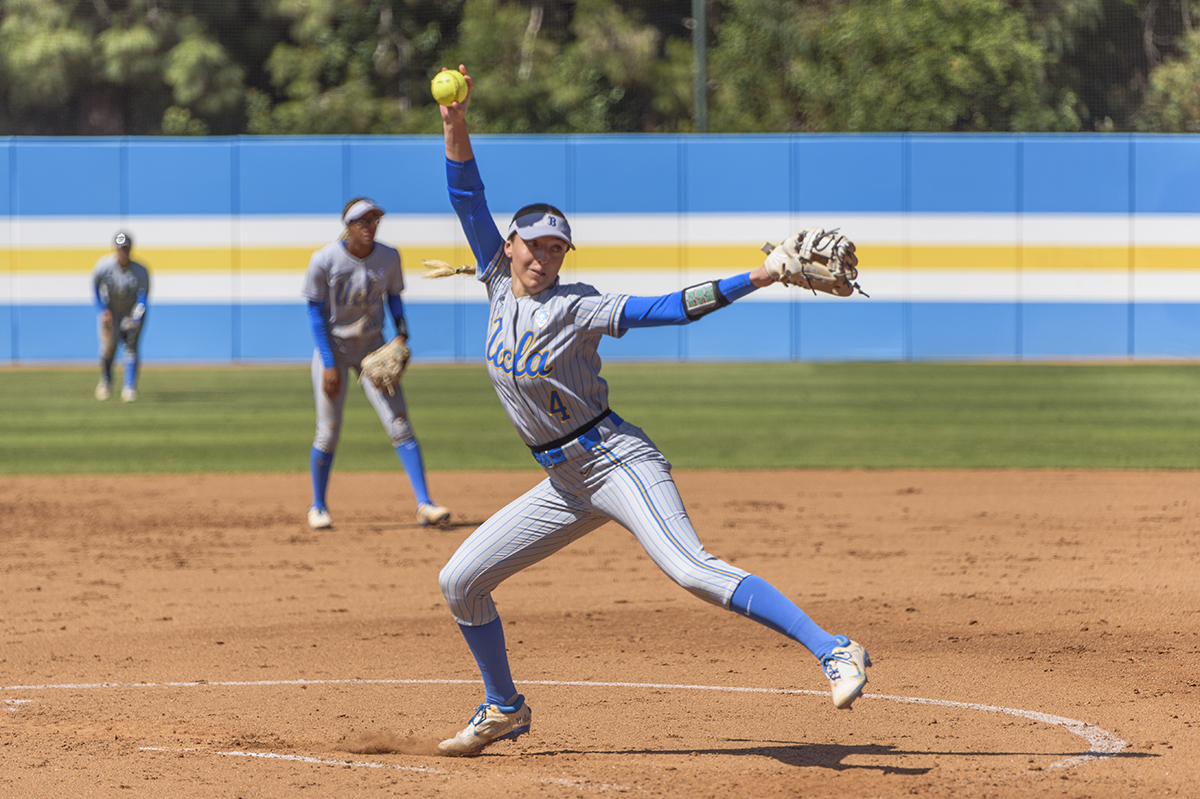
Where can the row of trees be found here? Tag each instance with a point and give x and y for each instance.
(196, 67)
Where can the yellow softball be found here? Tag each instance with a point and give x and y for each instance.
(449, 86)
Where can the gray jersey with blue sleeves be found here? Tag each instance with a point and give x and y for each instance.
(354, 292)
(542, 352)
(119, 288)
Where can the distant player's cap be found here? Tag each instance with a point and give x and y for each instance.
(123, 239)
(359, 210)
(538, 221)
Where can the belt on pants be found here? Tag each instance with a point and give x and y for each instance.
(587, 436)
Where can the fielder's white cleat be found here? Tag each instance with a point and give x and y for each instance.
(428, 513)
(846, 668)
(102, 390)
(128, 394)
(490, 723)
(318, 518)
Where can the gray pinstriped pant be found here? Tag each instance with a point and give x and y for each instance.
(624, 478)
(391, 408)
(128, 337)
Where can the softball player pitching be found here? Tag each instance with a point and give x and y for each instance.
(347, 285)
(542, 357)
(120, 286)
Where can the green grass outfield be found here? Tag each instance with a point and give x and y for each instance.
(703, 416)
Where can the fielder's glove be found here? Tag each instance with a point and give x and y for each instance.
(817, 260)
(135, 317)
(385, 366)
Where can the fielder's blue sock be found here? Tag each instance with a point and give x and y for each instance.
(131, 370)
(319, 464)
(757, 599)
(106, 369)
(409, 454)
(487, 645)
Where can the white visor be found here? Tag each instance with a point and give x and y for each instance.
(541, 223)
(359, 210)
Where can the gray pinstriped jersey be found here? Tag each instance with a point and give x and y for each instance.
(353, 291)
(119, 288)
(542, 352)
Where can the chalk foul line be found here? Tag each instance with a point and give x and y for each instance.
(1102, 745)
(323, 761)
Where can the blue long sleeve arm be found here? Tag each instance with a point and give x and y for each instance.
(396, 306)
(139, 310)
(320, 328)
(668, 309)
(100, 306)
(467, 199)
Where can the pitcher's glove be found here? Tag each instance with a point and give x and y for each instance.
(817, 260)
(385, 366)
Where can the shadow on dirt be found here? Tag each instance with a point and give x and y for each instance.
(832, 756)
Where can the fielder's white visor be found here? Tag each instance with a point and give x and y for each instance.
(541, 223)
(359, 210)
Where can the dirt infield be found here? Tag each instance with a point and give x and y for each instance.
(1034, 634)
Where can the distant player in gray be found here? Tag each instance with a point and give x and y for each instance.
(348, 284)
(121, 287)
(542, 357)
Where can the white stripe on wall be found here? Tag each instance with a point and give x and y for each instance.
(442, 230)
(185, 288)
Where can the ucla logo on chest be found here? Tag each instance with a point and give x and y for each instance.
(345, 295)
(525, 361)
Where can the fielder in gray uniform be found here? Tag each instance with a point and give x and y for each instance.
(542, 358)
(121, 287)
(348, 284)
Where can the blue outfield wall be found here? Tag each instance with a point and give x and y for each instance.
(997, 247)
(883, 331)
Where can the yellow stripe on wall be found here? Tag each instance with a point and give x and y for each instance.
(730, 258)
(183, 260)
(296, 259)
(1187, 258)
(639, 258)
(249, 259)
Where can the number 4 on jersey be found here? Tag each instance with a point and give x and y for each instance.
(557, 408)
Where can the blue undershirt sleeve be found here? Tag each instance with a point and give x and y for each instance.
(668, 309)
(100, 306)
(467, 199)
(396, 306)
(320, 328)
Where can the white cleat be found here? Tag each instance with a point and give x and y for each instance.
(428, 514)
(318, 518)
(490, 723)
(128, 394)
(102, 390)
(846, 668)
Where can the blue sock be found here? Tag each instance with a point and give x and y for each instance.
(409, 454)
(319, 464)
(131, 370)
(487, 645)
(757, 599)
(106, 369)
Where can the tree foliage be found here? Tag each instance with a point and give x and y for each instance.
(925, 65)
(186, 67)
(1173, 100)
(919, 65)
